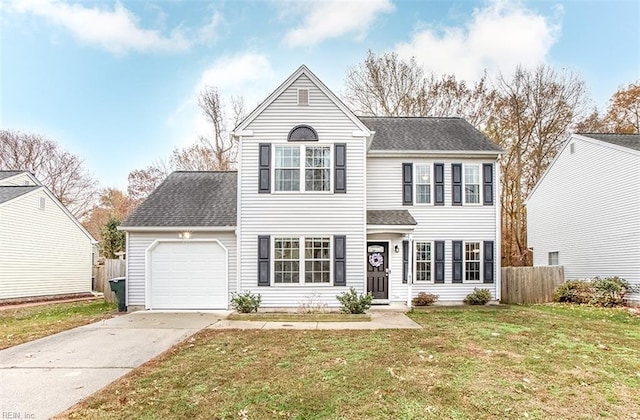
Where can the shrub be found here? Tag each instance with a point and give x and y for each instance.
(245, 302)
(609, 291)
(352, 303)
(424, 299)
(478, 297)
(573, 291)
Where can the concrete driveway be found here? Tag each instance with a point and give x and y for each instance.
(44, 377)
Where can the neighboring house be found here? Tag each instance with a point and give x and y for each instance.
(45, 250)
(322, 201)
(584, 213)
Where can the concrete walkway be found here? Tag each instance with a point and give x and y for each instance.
(379, 321)
(44, 377)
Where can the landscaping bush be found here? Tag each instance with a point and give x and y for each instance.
(573, 291)
(352, 303)
(424, 299)
(607, 292)
(245, 302)
(478, 297)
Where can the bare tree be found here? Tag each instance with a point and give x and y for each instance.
(533, 114)
(143, 181)
(61, 172)
(219, 149)
(387, 85)
(114, 204)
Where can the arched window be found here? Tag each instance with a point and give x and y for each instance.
(302, 133)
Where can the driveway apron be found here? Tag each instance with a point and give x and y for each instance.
(44, 377)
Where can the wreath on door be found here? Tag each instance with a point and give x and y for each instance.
(376, 259)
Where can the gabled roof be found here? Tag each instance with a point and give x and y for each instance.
(390, 217)
(427, 134)
(9, 192)
(189, 199)
(290, 80)
(630, 141)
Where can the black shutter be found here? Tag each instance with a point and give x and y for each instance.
(456, 184)
(407, 184)
(439, 277)
(264, 263)
(457, 262)
(487, 181)
(264, 168)
(438, 176)
(405, 261)
(488, 262)
(340, 151)
(340, 260)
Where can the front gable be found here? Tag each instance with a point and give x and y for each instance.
(322, 107)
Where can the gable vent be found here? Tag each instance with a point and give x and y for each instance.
(303, 96)
(43, 201)
(572, 148)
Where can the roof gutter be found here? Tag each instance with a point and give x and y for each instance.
(441, 153)
(177, 228)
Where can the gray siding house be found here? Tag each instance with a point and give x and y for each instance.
(323, 200)
(584, 221)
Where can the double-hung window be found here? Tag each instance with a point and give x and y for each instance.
(317, 168)
(286, 261)
(423, 261)
(313, 171)
(472, 184)
(472, 261)
(423, 184)
(287, 166)
(300, 260)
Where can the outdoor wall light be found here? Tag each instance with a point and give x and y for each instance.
(397, 249)
(184, 235)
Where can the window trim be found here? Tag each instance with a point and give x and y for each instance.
(480, 261)
(431, 262)
(415, 184)
(301, 261)
(557, 255)
(464, 184)
(302, 169)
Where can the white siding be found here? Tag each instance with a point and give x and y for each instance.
(21, 179)
(587, 208)
(306, 214)
(138, 244)
(444, 223)
(43, 251)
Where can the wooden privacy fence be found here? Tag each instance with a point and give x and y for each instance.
(105, 272)
(530, 284)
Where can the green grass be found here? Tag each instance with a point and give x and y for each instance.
(29, 323)
(549, 361)
(293, 317)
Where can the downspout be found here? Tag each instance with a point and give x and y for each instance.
(409, 270)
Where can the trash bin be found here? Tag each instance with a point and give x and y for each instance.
(117, 286)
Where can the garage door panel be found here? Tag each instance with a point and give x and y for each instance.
(188, 275)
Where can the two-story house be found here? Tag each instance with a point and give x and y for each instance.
(323, 201)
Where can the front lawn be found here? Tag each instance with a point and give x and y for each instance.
(470, 362)
(29, 323)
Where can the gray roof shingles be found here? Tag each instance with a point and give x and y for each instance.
(427, 134)
(390, 217)
(9, 192)
(189, 199)
(9, 174)
(630, 141)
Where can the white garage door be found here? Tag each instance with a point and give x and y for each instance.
(188, 275)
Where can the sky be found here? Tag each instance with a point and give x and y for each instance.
(116, 82)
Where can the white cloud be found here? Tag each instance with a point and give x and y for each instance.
(116, 30)
(248, 75)
(498, 37)
(334, 18)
